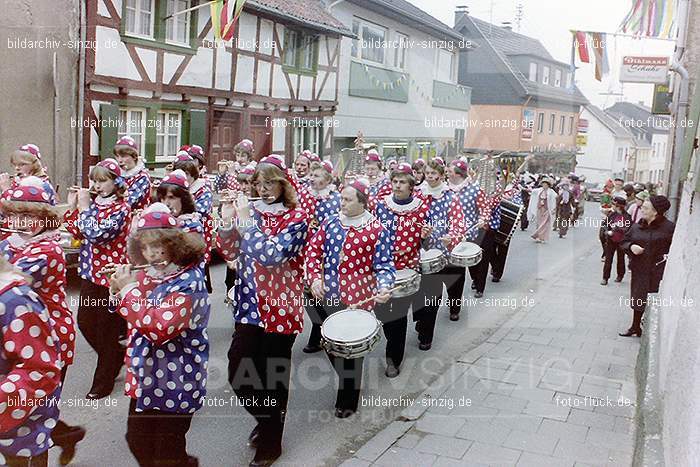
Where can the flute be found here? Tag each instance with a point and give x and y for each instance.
(8, 230)
(77, 188)
(113, 267)
(233, 200)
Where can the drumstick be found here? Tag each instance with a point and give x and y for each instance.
(113, 267)
(5, 229)
(375, 296)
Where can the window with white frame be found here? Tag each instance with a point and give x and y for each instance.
(557, 78)
(307, 137)
(562, 124)
(401, 44)
(139, 17)
(446, 68)
(132, 122)
(571, 125)
(533, 72)
(167, 135)
(619, 154)
(552, 122)
(307, 52)
(540, 122)
(300, 51)
(177, 28)
(568, 79)
(545, 75)
(372, 39)
(290, 51)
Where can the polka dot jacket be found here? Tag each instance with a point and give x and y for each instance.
(138, 184)
(404, 223)
(269, 272)
(30, 376)
(168, 349)
(203, 202)
(352, 259)
(468, 206)
(439, 202)
(378, 190)
(43, 259)
(102, 229)
(320, 205)
(48, 188)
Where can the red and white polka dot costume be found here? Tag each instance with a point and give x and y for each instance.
(268, 288)
(352, 258)
(203, 202)
(469, 205)
(404, 223)
(29, 370)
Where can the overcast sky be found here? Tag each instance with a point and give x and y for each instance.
(550, 22)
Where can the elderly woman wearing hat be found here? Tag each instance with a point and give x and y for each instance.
(542, 208)
(617, 223)
(647, 243)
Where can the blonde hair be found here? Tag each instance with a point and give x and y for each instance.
(27, 157)
(272, 173)
(318, 166)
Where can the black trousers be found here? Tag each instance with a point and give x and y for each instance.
(612, 248)
(603, 240)
(101, 330)
(318, 314)
(207, 278)
(526, 202)
(394, 317)
(426, 304)
(230, 278)
(498, 260)
(259, 369)
(42, 460)
(454, 278)
(478, 273)
(158, 439)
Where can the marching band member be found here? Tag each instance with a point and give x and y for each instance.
(390, 166)
(379, 185)
(469, 208)
(438, 196)
(173, 191)
(302, 166)
(405, 217)
(134, 172)
(512, 193)
(167, 309)
(37, 253)
(197, 153)
(29, 372)
(203, 203)
(349, 260)
(243, 186)
(419, 171)
(27, 162)
(266, 241)
(102, 227)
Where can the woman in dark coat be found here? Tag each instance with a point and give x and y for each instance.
(647, 243)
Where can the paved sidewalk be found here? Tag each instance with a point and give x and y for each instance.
(543, 390)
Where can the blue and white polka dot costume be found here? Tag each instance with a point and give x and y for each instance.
(439, 200)
(468, 206)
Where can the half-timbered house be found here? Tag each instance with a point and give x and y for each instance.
(168, 82)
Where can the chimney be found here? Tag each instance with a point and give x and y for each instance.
(507, 25)
(460, 12)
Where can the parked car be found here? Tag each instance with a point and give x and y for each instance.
(595, 191)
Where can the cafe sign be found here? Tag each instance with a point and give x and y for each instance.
(644, 69)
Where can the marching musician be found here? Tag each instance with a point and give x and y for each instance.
(266, 240)
(30, 367)
(469, 209)
(243, 155)
(405, 217)
(27, 162)
(438, 196)
(37, 253)
(134, 172)
(379, 185)
(348, 261)
(512, 193)
(203, 202)
(167, 309)
(173, 191)
(419, 171)
(302, 166)
(102, 226)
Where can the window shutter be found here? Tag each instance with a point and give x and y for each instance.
(149, 152)
(198, 127)
(109, 116)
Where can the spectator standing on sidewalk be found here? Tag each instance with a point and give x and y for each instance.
(635, 210)
(616, 225)
(647, 244)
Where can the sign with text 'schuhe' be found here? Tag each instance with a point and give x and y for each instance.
(644, 69)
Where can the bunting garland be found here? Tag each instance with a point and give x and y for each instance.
(393, 84)
(650, 18)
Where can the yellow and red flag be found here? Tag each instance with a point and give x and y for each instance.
(224, 15)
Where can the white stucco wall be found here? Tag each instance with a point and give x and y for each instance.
(599, 160)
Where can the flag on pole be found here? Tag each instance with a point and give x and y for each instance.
(224, 15)
(581, 39)
(600, 53)
(650, 18)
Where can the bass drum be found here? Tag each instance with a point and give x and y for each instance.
(510, 218)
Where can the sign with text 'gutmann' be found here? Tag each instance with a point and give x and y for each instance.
(644, 69)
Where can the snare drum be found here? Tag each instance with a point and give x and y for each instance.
(350, 333)
(408, 280)
(432, 261)
(466, 254)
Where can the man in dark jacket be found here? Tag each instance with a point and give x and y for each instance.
(647, 244)
(617, 223)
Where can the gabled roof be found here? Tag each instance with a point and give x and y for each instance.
(648, 122)
(406, 12)
(504, 43)
(308, 13)
(609, 122)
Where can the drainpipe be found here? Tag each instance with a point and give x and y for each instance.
(680, 112)
(81, 98)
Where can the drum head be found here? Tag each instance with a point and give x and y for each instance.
(349, 326)
(230, 293)
(466, 249)
(405, 274)
(430, 254)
